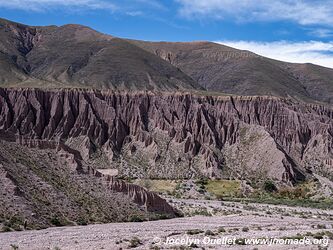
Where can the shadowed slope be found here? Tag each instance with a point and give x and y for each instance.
(220, 68)
(77, 56)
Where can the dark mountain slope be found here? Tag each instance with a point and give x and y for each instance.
(77, 56)
(220, 68)
(316, 80)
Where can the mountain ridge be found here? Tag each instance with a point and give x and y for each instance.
(74, 56)
(77, 56)
(82, 112)
(221, 68)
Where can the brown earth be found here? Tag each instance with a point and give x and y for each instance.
(154, 135)
(142, 110)
(48, 184)
(77, 56)
(224, 69)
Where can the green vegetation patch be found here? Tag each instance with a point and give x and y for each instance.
(224, 188)
(158, 186)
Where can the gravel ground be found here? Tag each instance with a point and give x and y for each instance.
(238, 221)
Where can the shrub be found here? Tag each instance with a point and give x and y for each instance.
(7, 224)
(6, 229)
(194, 231)
(82, 222)
(193, 245)
(202, 182)
(14, 247)
(147, 184)
(209, 233)
(202, 212)
(56, 222)
(318, 235)
(16, 220)
(136, 218)
(17, 227)
(269, 186)
(329, 234)
(134, 242)
(156, 217)
(321, 226)
(162, 216)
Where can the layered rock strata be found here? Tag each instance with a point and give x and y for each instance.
(178, 135)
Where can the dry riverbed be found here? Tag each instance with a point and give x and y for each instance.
(208, 225)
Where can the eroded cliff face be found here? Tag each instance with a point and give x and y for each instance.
(177, 135)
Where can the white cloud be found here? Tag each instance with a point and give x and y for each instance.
(315, 52)
(40, 5)
(129, 7)
(304, 12)
(322, 33)
(134, 13)
(152, 3)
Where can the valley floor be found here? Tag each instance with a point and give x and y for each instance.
(205, 220)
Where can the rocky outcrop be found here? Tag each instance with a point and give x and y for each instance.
(179, 135)
(48, 187)
(150, 201)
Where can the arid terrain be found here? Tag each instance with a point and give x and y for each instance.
(223, 220)
(160, 142)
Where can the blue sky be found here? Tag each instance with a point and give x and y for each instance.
(296, 31)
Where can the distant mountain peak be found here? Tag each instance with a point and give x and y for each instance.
(78, 56)
(74, 55)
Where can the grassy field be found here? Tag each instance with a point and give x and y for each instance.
(230, 190)
(213, 188)
(223, 188)
(159, 186)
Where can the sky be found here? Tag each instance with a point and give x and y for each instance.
(288, 30)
